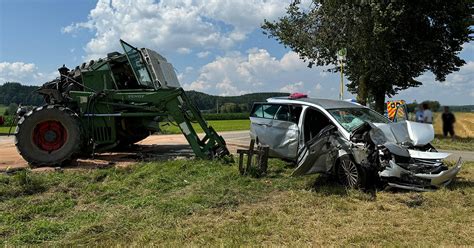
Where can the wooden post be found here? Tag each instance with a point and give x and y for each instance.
(263, 159)
(249, 158)
(241, 162)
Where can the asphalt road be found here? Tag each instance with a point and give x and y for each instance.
(153, 147)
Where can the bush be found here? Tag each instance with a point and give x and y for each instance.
(8, 120)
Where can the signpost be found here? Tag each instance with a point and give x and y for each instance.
(341, 57)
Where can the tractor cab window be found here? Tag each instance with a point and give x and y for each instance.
(138, 66)
(123, 75)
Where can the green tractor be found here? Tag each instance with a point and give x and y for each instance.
(107, 104)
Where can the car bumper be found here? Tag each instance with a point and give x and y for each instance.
(398, 177)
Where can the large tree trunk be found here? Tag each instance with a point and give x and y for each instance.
(379, 98)
(362, 92)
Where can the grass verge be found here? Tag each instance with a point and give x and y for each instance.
(462, 144)
(201, 203)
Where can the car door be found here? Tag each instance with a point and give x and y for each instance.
(319, 152)
(273, 125)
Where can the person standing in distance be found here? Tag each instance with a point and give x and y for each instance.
(448, 122)
(427, 114)
(419, 114)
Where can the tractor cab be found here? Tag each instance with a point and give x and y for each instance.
(150, 68)
(135, 69)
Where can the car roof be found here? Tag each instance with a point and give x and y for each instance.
(324, 103)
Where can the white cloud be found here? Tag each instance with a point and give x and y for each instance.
(184, 50)
(174, 24)
(291, 88)
(457, 89)
(318, 87)
(197, 85)
(227, 88)
(22, 72)
(203, 54)
(257, 71)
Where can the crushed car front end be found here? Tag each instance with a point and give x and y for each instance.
(418, 173)
(404, 158)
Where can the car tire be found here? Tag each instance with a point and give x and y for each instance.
(350, 174)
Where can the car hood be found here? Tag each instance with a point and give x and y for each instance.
(403, 133)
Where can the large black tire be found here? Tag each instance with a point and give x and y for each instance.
(350, 174)
(49, 136)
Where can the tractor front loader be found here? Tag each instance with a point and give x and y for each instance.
(109, 103)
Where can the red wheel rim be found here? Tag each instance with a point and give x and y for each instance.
(49, 135)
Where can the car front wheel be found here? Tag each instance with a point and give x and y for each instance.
(350, 174)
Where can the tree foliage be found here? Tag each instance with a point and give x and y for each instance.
(389, 43)
(433, 105)
(11, 92)
(229, 104)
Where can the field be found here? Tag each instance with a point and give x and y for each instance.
(218, 125)
(464, 126)
(200, 203)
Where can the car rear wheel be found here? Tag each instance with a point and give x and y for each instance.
(350, 174)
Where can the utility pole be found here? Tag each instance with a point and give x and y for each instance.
(341, 57)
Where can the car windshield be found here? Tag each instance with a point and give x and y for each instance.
(352, 118)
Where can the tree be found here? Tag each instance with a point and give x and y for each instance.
(433, 105)
(389, 43)
(17, 93)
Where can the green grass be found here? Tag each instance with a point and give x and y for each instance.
(462, 144)
(201, 203)
(4, 130)
(218, 125)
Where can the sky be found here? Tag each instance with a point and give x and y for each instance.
(216, 46)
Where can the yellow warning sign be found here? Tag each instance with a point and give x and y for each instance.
(392, 107)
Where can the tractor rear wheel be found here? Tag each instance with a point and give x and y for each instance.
(49, 136)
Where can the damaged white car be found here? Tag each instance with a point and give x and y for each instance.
(354, 143)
